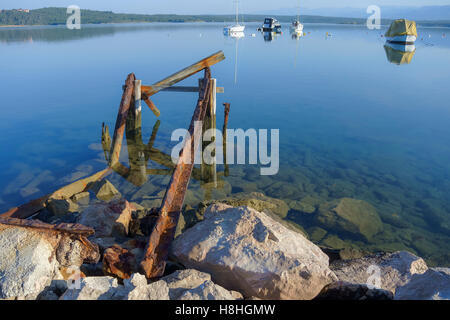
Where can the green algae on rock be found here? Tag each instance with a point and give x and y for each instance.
(350, 215)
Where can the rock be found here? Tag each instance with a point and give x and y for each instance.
(81, 198)
(434, 284)
(142, 291)
(105, 190)
(93, 288)
(395, 269)
(30, 259)
(119, 262)
(60, 207)
(27, 263)
(108, 219)
(249, 252)
(142, 222)
(351, 291)
(350, 215)
(195, 285)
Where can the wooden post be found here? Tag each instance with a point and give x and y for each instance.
(137, 95)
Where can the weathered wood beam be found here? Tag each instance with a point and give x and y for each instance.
(29, 209)
(125, 104)
(157, 250)
(189, 89)
(183, 74)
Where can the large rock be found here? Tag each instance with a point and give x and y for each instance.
(61, 207)
(119, 262)
(248, 251)
(108, 219)
(431, 285)
(31, 259)
(350, 215)
(395, 269)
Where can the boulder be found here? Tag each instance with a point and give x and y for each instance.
(247, 251)
(181, 285)
(105, 190)
(30, 259)
(394, 269)
(119, 262)
(352, 291)
(108, 219)
(434, 284)
(350, 215)
(93, 288)
(81, 198)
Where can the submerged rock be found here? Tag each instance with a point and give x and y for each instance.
(248, 251)
(350, 215)
(105, 190)
(388, 271)
(350, 291)
(108, 219)
(60, 207)
(431, 285)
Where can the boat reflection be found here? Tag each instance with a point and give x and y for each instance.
(270, 36)
(399, 53)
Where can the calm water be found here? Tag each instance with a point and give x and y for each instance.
(352, 124)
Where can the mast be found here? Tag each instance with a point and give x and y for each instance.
(237, 12)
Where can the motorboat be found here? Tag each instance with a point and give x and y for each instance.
(271, 25)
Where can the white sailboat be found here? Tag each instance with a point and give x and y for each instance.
(296, 26)
(237, 28)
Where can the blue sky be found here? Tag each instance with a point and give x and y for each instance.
(206, 6)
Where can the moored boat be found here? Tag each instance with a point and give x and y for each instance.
(237, 28)
(402, 31)
(271, 25)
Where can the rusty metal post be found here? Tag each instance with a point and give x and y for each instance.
(125, 104)
(224, 133)
(157, 250)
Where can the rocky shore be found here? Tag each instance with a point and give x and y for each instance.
(235, 249)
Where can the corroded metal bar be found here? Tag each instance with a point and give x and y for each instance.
(157, 250)
(151, 105)
(125, 104)
(183, 74)
(224, 138)
(68, 228)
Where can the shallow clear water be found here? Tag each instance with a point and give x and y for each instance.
(352, 124)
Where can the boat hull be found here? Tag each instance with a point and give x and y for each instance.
(234, 29)
(404, 39)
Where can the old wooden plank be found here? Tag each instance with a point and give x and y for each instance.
(183, 74)
(163, 233)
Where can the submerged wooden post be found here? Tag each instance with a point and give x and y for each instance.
(127, 100)
(157, 250)
(224, 137)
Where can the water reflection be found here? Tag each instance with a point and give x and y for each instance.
(399, 54)
(270, 36)
(140, 154)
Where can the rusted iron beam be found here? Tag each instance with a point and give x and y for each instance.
(183, 74)
(151, 105)
(189, 89)
(157, 250)
(67, 228)
(125, 104)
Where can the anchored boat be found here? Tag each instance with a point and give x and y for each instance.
(271, 25)
(237, 28)
(296, 26)
(402, 31)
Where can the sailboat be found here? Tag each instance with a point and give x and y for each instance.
(237, 28)
(296, 26)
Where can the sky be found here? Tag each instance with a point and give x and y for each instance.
(207, 6)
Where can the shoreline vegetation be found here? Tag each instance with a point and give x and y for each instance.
(58, 16)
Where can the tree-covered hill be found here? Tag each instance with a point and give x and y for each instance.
(58, 16)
